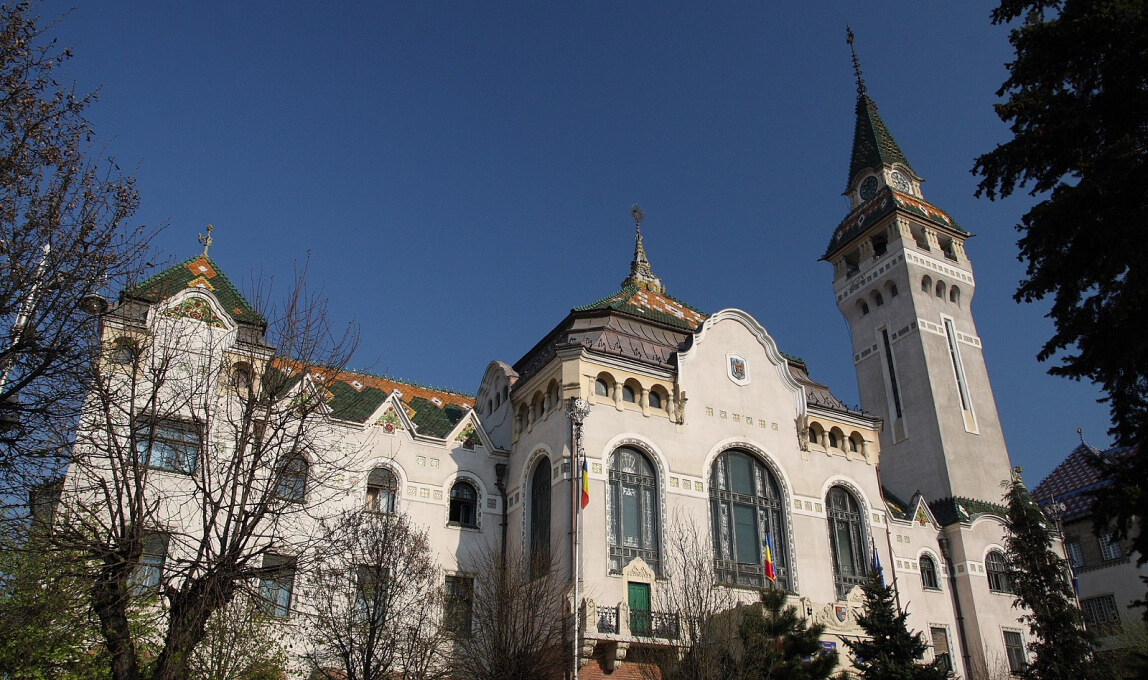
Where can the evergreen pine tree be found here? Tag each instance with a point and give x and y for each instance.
(891, 652)
(776, 644)
(1061, 648)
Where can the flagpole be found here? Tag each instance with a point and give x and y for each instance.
(576, 409)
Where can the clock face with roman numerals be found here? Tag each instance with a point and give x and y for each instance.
(868, 188)
(900, 182)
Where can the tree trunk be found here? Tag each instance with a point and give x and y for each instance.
(191, 606)
(110, 602)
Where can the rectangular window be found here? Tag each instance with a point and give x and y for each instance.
(941, 648)
(168, 445)
(1075, 554)
(1101, 615)
(1110, 547)
(892, 371)
(1014, 649)
(958, 369)
(458, 607)
(148, 573)
(276, 585)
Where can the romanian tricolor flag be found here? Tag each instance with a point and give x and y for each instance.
(585, 484)
(768, 562)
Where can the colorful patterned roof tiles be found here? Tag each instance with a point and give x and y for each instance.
(873, 144)
(196, 272)
(1072, 481)
(649, 305)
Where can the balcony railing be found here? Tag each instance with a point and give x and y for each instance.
(638, 623)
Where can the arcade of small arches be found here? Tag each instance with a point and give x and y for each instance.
(832, 438)
(877, 297)
(631, 393)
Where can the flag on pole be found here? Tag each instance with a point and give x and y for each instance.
(585, 484)
(877, 564)
(768, 561)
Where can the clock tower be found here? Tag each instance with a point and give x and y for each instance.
(904, 284)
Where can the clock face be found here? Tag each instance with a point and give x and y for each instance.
(868, 188)
(900, 182)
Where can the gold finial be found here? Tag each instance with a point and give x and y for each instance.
(856, 62)
(206, 240)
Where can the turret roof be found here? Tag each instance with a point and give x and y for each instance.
(873, 144)
(649, 305)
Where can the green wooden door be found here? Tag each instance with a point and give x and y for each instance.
(639, 608)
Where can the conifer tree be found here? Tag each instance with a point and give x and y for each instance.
(777, 644)
(1060, 648)
(892, 652)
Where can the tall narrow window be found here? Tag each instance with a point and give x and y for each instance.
(601, 388)
(997, 570)
(632, 508)
(1110, 547)
(1075, 554)
(458, 605)
(382, 487)
(958, 369)
(540, 519)
(1014, 650)
(276, 584)
(846, 539)
(892, 371)
(929, 573)
(747, 508)
(148, 573)
(941, 654)
(463, 504)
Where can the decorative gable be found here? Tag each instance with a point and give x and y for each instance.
(195, 308)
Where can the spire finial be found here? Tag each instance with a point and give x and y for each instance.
(856, 62)
(640, 272)
(1080, 433)
(206, 240)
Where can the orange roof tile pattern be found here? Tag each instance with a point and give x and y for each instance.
(650, 305)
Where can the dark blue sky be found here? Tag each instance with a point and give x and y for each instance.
(461, 172)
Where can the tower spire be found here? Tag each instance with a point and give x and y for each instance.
(856, 62)
(640, 273)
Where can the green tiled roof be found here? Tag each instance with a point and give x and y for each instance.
(647, 304)
(959, 509)
(886, 201)
(196, 272)
(348, 404)
(873, 144)
(432, 420)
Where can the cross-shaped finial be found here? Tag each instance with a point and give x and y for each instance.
(856, 62)
(206, 240)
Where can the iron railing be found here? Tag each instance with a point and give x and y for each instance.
(608, 620)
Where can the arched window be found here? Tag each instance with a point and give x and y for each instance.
(846, 540)
(124, 353)
(832, 440)
(926, 284)
(941, 289)
(929, 573)
(748, 511)
(463, 504)
(382, 487)
(893, 290)
(852, 445)
(291, 479)
(628, 394)
(878, 299)
(814, 436)
(241, 379)
(955, 295)
(864, 308)
(655, 400)
(540, 518)
(997, 569)
(632, 508)
(601, 388)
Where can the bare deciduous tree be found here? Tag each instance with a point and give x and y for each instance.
(517, 625)
(375, 601)
(204, 440)
(708, 626)
(63, 238)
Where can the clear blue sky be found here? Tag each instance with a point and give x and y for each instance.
(461, 172)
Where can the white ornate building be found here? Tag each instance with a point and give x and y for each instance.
(695, 417)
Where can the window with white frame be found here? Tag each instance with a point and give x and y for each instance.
(169, 445)
(632, 508)
(929, 573)
(276, 584)
(1014, 650)
(997, 569)
(1075, 554)
(1110, 547)
(942, 657)
(291, 479)
(1100, 614)
(463, 504)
